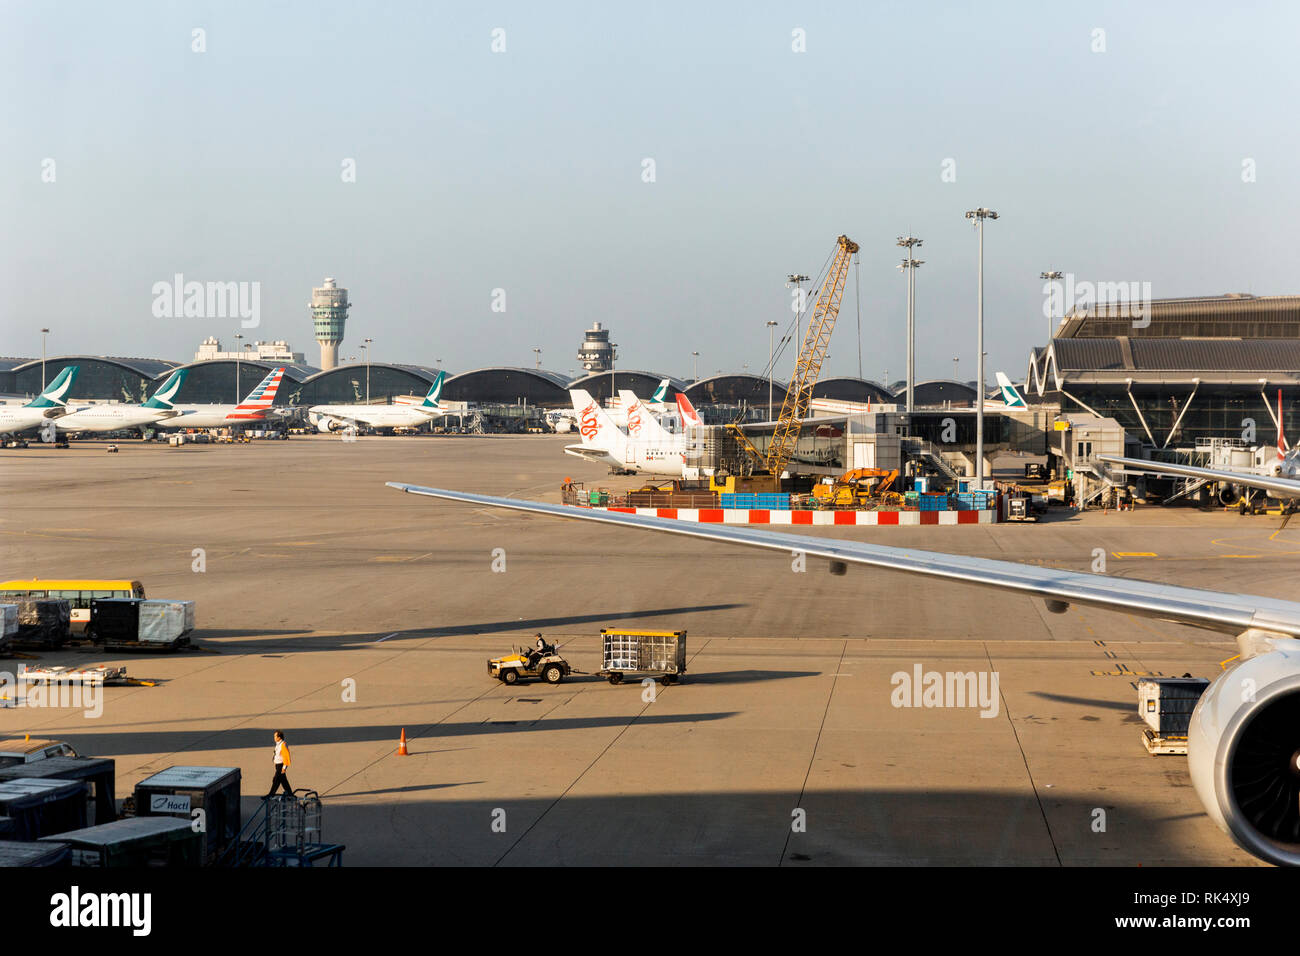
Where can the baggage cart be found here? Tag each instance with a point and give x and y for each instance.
(642, 654)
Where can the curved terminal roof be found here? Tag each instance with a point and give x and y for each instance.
(146, 367)
(849, 388)
(641, 382)
(507, 385)
(943, 392)
(733, 389)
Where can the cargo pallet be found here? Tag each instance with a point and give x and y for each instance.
(1157, 744)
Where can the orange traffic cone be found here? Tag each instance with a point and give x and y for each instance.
(401, 747)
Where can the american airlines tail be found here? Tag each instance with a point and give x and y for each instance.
(56, 393)
(259, 401)
(690, 417)
(165, 396)
(599, 433)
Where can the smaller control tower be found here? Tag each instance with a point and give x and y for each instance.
(595, 353)
(329, 312)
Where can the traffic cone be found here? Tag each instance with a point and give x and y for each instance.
(401, 747)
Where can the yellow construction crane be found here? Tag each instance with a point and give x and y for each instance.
(811, 355)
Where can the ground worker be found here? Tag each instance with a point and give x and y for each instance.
(281, 766)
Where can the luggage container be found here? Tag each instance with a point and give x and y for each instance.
(135, 622)
(13, 853)
(99, 774)
(40, 807)
(43, 624)
(8, 624)
(1166, 705)
(179, 791)
(636, 653)
(135, 841)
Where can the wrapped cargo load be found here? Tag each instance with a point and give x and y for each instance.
(166, 622)
(43, 624)
(137, 621)
(8, 625)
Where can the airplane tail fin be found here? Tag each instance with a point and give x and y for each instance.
(661, 393)
(1010, 395)
(596, 427)
(263, 396)
(690, 417)
(165, 396)
(642, 423)
(56, 393)
(431, 400)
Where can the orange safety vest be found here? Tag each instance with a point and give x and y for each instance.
(282, 749)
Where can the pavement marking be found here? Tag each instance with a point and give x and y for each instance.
(1135, 554)
(812, 758)
(382, 639)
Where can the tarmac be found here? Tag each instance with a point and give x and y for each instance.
(342, 612)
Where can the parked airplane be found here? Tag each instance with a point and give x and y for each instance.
(111, 417)
(647, 449)
(1242, 748)
(665, 415)
(333, 418)
(41, 410)
(657, 403)
(1279, 480)
(252, 410)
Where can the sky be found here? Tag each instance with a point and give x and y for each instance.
(392, 147)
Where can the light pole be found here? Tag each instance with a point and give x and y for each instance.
(955, 360)
(909, 267)
(771, 332)
(538, 353)
(797, 281)
(613, 359)
(366, 345)
(44, 332)
(1051, 326)
(696, 376)
(238, 351)
(978, 216)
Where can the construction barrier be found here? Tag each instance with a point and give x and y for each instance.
(770, 517)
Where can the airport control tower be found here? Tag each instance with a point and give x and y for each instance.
(329, 311)
(596, 353)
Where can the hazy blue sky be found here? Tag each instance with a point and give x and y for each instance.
(522, 170)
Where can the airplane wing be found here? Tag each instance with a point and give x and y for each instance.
(587, 453)
(1213, 610)
(1282, 487)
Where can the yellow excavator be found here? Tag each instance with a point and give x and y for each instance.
(856, 486)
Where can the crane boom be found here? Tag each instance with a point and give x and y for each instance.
(809, 364)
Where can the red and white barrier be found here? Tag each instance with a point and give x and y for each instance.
(764, 516)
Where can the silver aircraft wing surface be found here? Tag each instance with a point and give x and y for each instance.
(1283, 487)
(1213, 610)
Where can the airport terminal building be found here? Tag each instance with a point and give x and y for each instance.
(1176, 371)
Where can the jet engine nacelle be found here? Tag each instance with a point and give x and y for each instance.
(1229, 494)
(1243, 753)
(327, 424)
